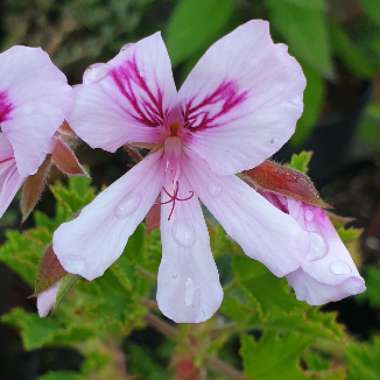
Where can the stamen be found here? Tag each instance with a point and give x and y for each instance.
(173, 198)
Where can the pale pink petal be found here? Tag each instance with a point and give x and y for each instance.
(10, 180)
(242, 100)
(46, 300)
(328, 272)
(188, 289)
(264, 232)
(126, 99)
(313, 292)
(89, 244)
(39, 97)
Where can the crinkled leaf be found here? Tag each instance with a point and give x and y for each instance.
(272, 354)
(364, 360)
(74, 197)
(22, 252)
(35, 332)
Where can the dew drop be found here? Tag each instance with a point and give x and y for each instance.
(183, 233)
(73, 264)
(309, 215)
(127, 206)
(215, 189)
(318, 247)
(340, 268)
(174, 276)
(189, 292)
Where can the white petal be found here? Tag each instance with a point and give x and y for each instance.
(264, 233)
(126, 99)
(89, 244)
(46, 300)
(189, 290)
(243, 99)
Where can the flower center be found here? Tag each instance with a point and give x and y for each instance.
(174, 128)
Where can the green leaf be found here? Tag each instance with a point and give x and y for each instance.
(349, 234)
(301, 161)
(72, 198)
(314, 97)
(268, 303)
(22, 252)
(274, 356)
(61, 375)
(194, 24)
(35, 331)
(349, 53)
(372, 277)
(372, 9)
(364, 360)
(304, 26)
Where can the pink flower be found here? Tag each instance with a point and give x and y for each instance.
(327, 272)
(34, 97)
(238, 106)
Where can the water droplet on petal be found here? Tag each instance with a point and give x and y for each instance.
(318, 247)
(174, 276)
(73, 264)
(309, 215)
(189, 292)
(183, 233)
(127, 206)
(340, 268)
(215, 189)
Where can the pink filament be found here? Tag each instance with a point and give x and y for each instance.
(174, 197)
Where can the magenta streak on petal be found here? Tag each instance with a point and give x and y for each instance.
(6, 160)
(197, 117)
(5, 107)
(147, 107)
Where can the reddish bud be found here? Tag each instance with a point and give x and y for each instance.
(133, 153)
(186, 370)
(153, 217)
(33, 188)
(66, 130)
(282, 180)
(50, 271)
(66, 161)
